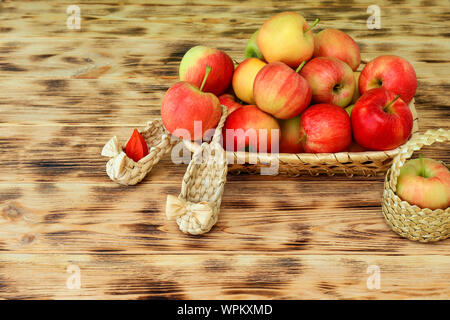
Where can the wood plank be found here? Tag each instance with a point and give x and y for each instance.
(239, 276)
(157, 60)
(237, 20)
(291, 216)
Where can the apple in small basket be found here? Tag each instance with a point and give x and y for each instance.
(331, 81)
(281, 91)
(381, 120)
(244, 77)
(394, 73)
(325, 128)
(193, 66)
(425, 183)
(287, 38)
(337, 44)
(184, 105)
(249, 129)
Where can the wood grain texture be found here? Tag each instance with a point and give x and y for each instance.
(64, 93)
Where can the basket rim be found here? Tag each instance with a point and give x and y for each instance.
(328, 158)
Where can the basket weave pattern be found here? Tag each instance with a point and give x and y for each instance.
(124, 170)
(196, 209)
(408, 220)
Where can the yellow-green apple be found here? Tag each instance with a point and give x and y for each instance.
(281, 91)
(392, 72)
(194, 62)
(381, 120)
(185, 108)
(356, 93)
(331, 81)
(243, 78)
(252, 49)
(337, 44)
(325, 128)
(290, 139)
(249, 129)
(229, 101)
(287, 38)
(425, 183)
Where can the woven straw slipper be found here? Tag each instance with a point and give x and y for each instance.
(196, 209)
(408, 220)
(124, 170)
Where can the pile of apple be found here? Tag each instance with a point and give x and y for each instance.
(306, 86)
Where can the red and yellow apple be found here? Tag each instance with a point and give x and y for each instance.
(290, 139)
(331, 81)
(391, 72)
(424, 182)
(325, 128)
(244, 77)
(229, 101)
(337, 44)
(286, 38)
(184, 104)
(193, 65)
(381, 120)
(281, 91)
(249, 129)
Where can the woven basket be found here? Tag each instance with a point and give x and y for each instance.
(124, 170)
(408, 220)
(369, 163)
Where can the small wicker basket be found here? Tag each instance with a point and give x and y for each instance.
(368, 163)
(408, 220)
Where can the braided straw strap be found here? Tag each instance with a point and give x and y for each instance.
(196, 209)
(410, 221)
(124, 170)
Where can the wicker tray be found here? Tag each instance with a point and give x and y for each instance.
(367, 163)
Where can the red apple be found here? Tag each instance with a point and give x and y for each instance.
(193, 66)
(331, 81)
(249, 128)
(337, 44)
(381, 120)
(229, 101)
(281, 91)
(290, 139)
(325, 128)
(391, 72)
(184, 104)
(244, 77)
(425, 183)
(287, 38)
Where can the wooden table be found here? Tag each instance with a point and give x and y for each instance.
(64, 93)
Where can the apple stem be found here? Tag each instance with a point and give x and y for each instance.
(208, 70)
(422, 166)
(300, 66)
(392, 102)
(313, 25)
